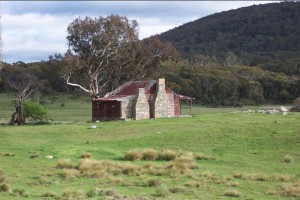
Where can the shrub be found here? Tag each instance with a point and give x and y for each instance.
(162, 191)
(168, 155)
(4, 187)
(133, 155)
(64, 163)
(70, 173)
(154, 182)
(288, 159)
(232, 193)
(34, 110)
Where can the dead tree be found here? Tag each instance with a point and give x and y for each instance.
(26, 85)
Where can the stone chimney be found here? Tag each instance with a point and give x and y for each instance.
(141, 109)
(161, 103)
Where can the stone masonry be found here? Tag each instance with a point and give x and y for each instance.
(141, 109)
(161, 103)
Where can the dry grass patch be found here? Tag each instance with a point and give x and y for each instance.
(168, 155)
(70, 173)
(177, 189)
(49, 195)
(288, 159)
(232, 183)
(20, 192)
(135, 154)
(154, 182)
(65, 163)
(5, 187)
(183, 164)
(232, 193)
(162, 191)
(7, 154)
(68, 195)
(149, 154)
(291, 190)
(201, 156)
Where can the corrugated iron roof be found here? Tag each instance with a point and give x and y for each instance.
(131, 87)
(116, 98)
(129, 90)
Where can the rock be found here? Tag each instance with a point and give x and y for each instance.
(48, 157)
(283, 109)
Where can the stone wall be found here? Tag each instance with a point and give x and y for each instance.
(161, 103)
(141, 108)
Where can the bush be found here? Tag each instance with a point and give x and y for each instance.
(34, 110)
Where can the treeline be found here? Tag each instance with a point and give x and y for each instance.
(209, 85)
(231, 86)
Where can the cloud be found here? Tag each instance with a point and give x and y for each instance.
(33, 30)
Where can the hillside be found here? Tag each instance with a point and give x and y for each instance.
(260, 35)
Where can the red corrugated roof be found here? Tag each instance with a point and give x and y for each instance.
(130, 88)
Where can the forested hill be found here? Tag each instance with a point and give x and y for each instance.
(265, 35)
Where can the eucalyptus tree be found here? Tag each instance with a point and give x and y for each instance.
(105, 51)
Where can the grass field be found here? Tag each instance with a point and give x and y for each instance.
(218, 154)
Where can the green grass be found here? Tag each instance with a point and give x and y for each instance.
(249, 151)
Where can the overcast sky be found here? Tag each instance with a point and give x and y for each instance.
(31, 31)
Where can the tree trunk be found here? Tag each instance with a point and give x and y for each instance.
(20, 113)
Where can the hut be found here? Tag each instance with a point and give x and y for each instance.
(139, 100)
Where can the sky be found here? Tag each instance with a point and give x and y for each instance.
(33, 30)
